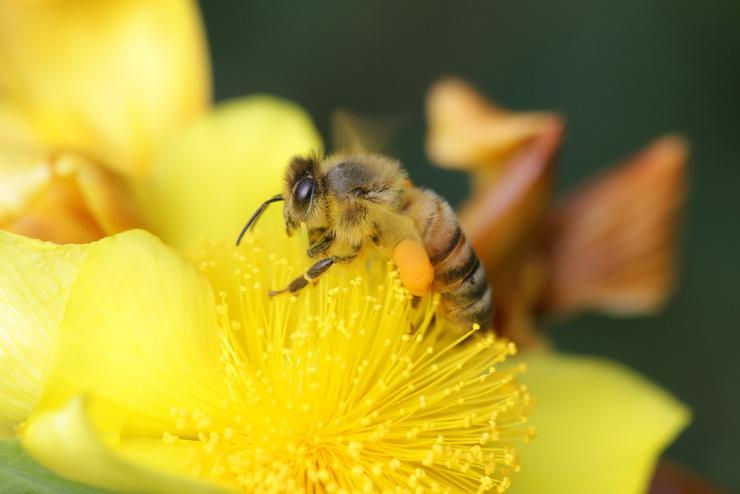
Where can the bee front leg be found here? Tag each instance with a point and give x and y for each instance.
(311, 274)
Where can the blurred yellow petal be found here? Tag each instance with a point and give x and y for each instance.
(61, 197)
(34, 288)
(209, 180)
(108, 79)
(106, 195)
(66, 442)
(24, 174)
(600, 427)
(15, 128)
(469, 132)
(140, 336)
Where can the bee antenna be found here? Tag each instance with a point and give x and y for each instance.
(253, 220)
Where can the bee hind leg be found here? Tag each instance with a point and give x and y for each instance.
(414, 267)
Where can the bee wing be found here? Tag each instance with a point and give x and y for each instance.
(355, 134)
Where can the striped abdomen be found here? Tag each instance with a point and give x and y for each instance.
(458, 274)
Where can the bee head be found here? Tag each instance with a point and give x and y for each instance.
(303, 193)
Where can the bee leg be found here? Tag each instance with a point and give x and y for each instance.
(310, 275)
(349, 257)
(315, 234)
(321, 245)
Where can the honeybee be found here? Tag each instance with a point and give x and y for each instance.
(348, 201)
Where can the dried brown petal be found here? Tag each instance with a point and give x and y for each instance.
(610, 245)
(60, 197)
(467, 131)
(510, 157)
(504, 215)
(503, 220)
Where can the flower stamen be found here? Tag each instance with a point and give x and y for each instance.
(349, 387)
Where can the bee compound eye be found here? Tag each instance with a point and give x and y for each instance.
(303, 190)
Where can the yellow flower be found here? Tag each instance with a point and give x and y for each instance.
(100, 84)
(133, 368)
(147, 358)
(346, 385)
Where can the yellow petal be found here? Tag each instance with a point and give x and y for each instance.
(24, 174)
(66, 442)
(208, 181)
(34, 288)
(60, 196)
(109, 79)
(140, 335)
(15, 129)
(600, 427)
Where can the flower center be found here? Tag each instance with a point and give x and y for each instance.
(347, 387)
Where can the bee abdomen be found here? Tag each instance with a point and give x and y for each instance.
(458, 274)
(461, 280)
(470, 301)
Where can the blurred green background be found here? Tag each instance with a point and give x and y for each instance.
(622, 72)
